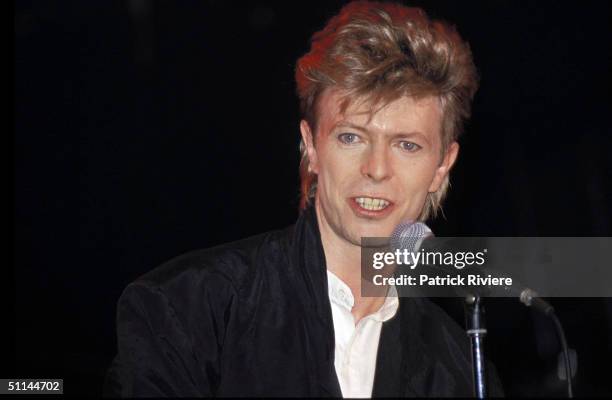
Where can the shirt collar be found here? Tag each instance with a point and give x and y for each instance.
(340, 294)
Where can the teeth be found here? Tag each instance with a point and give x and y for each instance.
(372, 204)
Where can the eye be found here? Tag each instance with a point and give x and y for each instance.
(348, 138)
(410, 147)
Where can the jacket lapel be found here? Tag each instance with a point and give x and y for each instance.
(309, 258)
(401, 355)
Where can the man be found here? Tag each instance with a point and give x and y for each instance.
(384, 93)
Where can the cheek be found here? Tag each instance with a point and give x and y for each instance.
(334, 177)
(336, 170)
(417, 177)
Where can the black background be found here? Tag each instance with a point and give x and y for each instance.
(144, 129)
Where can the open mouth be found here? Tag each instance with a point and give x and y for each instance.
(371, 203)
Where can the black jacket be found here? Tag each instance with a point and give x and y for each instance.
(253, 318)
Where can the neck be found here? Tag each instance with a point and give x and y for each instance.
(343, 259)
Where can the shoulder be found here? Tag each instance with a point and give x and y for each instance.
(437, 331)
(435, 321)
(172, 321)
(229, 262)
(446, 342)
(214, 274)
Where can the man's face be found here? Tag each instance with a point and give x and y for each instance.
(373, 174)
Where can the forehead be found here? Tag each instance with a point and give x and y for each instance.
(406, 114)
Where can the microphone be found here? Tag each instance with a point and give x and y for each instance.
(412, 236)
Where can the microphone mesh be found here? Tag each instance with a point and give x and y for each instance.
(409, 235)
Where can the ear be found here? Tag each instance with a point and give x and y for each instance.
(308, 138)
(444, 168)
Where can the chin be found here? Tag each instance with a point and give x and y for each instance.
(379, 231)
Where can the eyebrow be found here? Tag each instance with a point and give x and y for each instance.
(347, 124)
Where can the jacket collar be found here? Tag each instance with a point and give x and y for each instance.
(308, 257)
(395, 362)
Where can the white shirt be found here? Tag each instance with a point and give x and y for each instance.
(356, 346)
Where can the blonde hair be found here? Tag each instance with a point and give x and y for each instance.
(383, 51)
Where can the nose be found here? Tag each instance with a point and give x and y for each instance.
(376, 164)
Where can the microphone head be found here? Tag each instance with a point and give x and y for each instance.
(409, 235)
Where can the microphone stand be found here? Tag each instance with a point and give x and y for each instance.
(476, 330)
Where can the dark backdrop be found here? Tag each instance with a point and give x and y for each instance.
(144, 129)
